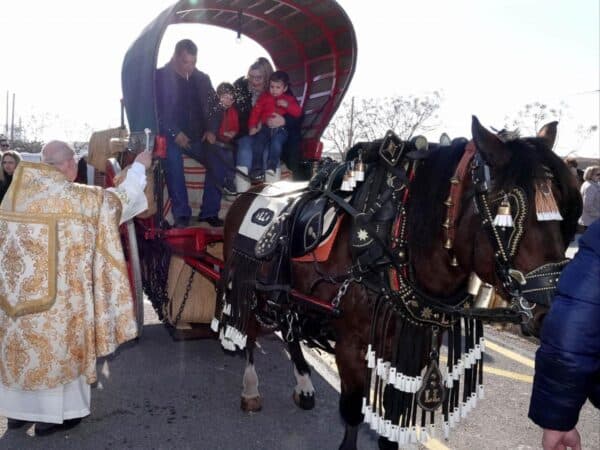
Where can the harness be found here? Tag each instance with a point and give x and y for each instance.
(399, 394)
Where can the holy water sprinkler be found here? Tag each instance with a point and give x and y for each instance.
(147, 131)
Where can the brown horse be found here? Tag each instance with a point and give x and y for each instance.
(432, 227)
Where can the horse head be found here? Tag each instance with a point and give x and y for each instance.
(524, 214)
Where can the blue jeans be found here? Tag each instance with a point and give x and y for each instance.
(205, 154)
(267, 147)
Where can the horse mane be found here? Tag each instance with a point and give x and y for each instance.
(428, 191)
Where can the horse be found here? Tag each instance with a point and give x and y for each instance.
(501, 207)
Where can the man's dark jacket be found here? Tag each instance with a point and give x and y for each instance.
(189, 105)
(567, 365)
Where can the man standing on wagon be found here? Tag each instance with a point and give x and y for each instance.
(189, 115)
(65, 298)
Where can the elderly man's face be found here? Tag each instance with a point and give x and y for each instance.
(185, 63)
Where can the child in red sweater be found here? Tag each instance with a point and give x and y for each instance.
(229, 128)
(268, 142)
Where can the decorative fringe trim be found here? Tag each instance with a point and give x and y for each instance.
(503, 216)
(390, 404)
(232, 320)
(545, 203)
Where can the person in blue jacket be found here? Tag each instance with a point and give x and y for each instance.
(567, 364)
(189, 116)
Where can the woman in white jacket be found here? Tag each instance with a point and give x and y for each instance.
(590, 192)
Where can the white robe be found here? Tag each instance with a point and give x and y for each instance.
(64, 402)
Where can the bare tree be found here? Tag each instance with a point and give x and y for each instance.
(533, 116)
(584, 132)
(371, 118)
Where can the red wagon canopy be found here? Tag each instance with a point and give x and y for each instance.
(312, 40)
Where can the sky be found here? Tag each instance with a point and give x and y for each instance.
(62, 59)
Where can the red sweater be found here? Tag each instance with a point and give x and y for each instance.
(266, 105)
(230, 122)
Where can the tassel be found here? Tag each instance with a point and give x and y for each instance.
(545, 203)
(360, 168)
(503, 216)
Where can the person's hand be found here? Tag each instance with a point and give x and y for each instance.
(282, 102)
(144, 158)
(560, 440)
(182, 140)
(252, 131)
(229, 134)
(210, 137)
(275, 121)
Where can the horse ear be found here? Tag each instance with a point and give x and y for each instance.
(491, 147)
(548, 134)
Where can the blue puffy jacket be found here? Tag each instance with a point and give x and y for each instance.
(567, 364)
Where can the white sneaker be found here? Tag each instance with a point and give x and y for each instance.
(271, 172)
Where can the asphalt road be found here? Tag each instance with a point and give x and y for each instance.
(161, 394)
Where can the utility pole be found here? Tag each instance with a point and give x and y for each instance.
(12, 124)
(6, 123)
(351, 127)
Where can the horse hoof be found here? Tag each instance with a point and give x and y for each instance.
(252, 404)
(304, 401)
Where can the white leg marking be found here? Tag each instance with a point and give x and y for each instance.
(250, 382)
(303, 384)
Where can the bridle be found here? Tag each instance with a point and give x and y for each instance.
(525, 291)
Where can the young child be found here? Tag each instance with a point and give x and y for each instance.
(268, 142)
(229, 128)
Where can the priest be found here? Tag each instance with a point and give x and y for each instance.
(65, 298)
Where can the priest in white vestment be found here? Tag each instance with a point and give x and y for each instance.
(65, 297)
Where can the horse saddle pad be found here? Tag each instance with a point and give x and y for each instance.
(28, 250)
(304, 221)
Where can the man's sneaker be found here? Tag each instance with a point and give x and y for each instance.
(13, 424)
(271, 172)
(213, 221)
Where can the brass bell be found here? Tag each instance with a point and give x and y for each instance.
(448, 201)
(448, 244)
(484, 296)
(454, 262)
(504, 209)
(447, 223)
(454, 180)
(474, 284)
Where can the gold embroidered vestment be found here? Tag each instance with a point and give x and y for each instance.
(65, 297)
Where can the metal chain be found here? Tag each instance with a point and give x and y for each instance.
(342, 291)
(185, 297)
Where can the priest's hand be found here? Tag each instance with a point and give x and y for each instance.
(144, 158)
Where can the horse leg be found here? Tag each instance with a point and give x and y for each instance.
(251, 400)
(351, 368)
(304, 392)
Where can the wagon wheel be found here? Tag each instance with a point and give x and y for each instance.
(130, 249)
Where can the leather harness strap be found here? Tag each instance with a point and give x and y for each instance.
(457, 187)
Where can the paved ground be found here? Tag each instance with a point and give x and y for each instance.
(161, 394)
